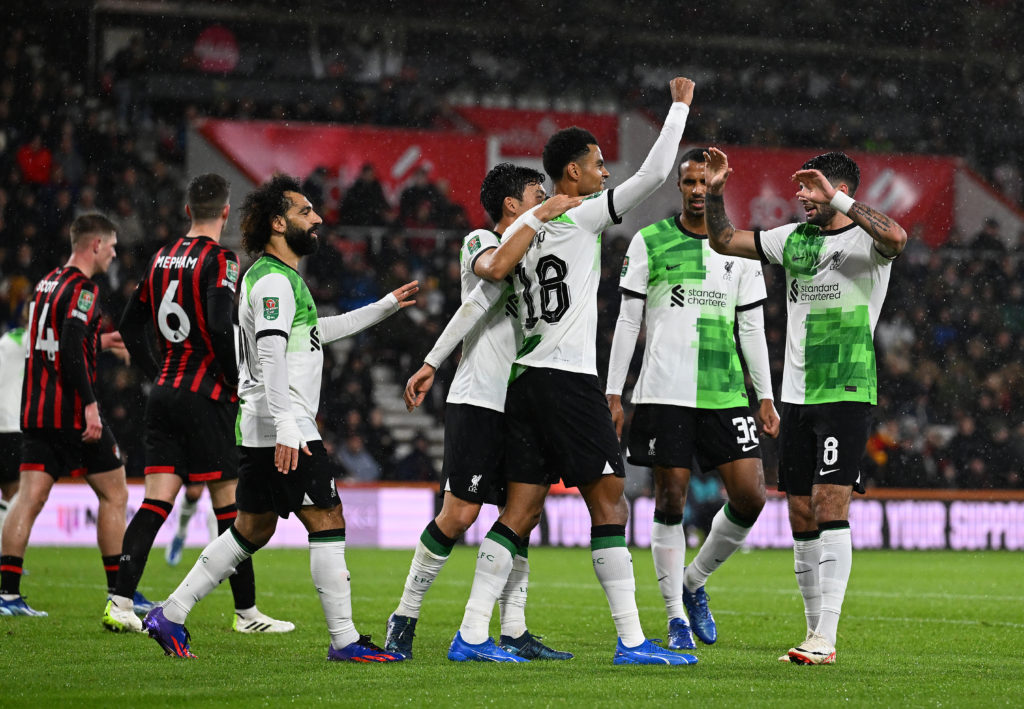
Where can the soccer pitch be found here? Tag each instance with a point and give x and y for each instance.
(918, 629)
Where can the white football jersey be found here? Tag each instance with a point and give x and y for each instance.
(275, 301)
(12, 374)
(556, 288)
(692, 294)
(488, 350)
(835, 285)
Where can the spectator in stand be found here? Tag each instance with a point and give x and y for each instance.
(417, 465)
(35, 161)
(419, 190)
(359, 465)
(364, 203)
(380, 443)
(989, 238)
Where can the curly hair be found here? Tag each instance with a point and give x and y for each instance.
(836, 167)
(261, 206)
(506, 180)
(564, 147)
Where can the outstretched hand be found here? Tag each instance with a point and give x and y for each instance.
(716, 170)
(405, 293)
(417, 387)
(556, 206)
(814, 187)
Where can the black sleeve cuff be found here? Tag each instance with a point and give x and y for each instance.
(757, 245)
(267, 333)
(627, 291)
(751, 306)
(611, 207)
(472, 263)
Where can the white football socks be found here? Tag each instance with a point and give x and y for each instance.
(668, 547)
(834, 573)
(188, 508)
(724, 538)
(216, 562)
(332, 581)
(806, 555)
(614, 568)
(425, 567)
(493, 566)
(512, 603)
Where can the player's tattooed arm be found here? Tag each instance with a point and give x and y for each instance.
(720, 229)
(890, 238)
(722, 235)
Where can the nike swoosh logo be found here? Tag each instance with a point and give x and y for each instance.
(750, 447)
(828, 472)
(672, 268)
(662, 578)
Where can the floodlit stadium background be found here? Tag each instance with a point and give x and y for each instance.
(129, 99)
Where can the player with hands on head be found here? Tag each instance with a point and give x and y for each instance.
(691, 398)
(837, 265)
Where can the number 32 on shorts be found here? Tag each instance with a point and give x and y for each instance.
(747, 438)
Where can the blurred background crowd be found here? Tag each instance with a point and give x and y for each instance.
(108, 135)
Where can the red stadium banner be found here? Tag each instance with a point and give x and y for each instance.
(523, 133)
(915, 190)
(261, 148)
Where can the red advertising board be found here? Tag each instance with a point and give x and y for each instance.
(523, 133)
(915, 190)
(261, 148)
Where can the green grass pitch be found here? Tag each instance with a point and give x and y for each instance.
(942, 629)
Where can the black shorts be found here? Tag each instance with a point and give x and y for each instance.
(474, 448)
(559, 426)
(61, 452)
(10, 457)
(190, 435)
(822, 444)
(670, 436)
(262, 489)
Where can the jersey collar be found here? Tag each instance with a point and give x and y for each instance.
(684, 230)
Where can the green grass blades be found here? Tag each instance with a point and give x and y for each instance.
(918, 629)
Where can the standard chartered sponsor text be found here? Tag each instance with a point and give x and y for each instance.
(825, 291)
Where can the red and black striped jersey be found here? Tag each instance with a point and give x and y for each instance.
(181, 282)
(63, 295)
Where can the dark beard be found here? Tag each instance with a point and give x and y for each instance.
(302, 243)
(823, 215)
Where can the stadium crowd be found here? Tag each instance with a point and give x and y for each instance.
(950, 411)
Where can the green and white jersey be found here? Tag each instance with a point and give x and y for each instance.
(692, 296)
(556, 288)
(275, 301)
(835, 285)
(13, 348)
(488, 350)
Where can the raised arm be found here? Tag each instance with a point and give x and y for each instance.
(722, 235)
(660, 162)
(496, 264)
(890, 238)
